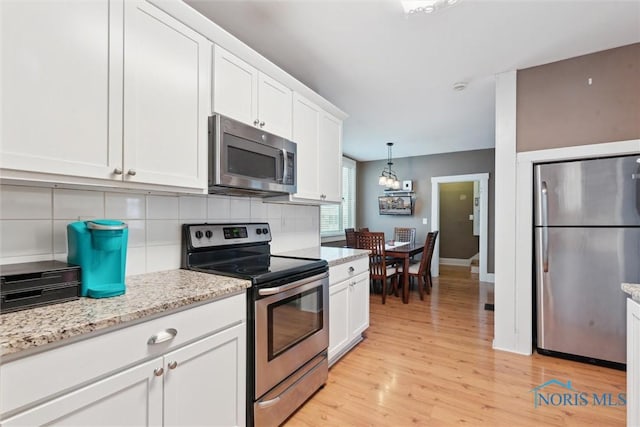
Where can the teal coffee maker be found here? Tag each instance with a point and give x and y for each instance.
(99, 247)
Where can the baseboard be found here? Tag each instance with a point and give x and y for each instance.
(455, 261)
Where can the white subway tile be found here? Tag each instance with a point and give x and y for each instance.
(218, 208)
(124, 206)
(137, 233)
(258, 210)
(25, 238)
(77, 204)
(163, 232)
(18, 202)
(160, 258)
(162, 207)
(274, 210)
(193, 207)
(239, 208)
(60, 236)
(136, 261)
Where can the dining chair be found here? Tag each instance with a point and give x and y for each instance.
(422, 271)
(379, 270)
(404, 234)
(350, 235)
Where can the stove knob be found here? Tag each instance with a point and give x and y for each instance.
(198, 234)
(259, 230)
(265, 231)
(208, 233)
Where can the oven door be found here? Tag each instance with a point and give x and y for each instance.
(291, 328)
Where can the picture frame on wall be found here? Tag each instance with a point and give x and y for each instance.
(395, 205)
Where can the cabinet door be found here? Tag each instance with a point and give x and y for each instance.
(206, 386)
(306, 123)
(274, 106)
(60, 65)
(330, 157)
(235, 88)
(166, 99)
(358, 305)
(338, 318)
(132, 397)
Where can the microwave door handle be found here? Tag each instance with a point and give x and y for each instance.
(284, 166)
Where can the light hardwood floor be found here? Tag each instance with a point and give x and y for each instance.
(431, 363)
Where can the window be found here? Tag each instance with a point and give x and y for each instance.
(335, 218)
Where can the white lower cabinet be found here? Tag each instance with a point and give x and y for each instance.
(633, 363)
(348, 306)
(200, 383)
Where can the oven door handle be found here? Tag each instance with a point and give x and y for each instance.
(288, 286)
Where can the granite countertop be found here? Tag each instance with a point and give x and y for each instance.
(334, 256)
(147, 294)
(633, 289)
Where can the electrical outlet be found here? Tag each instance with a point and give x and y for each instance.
(424, 221)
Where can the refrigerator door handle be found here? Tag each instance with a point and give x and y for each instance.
(545, 230)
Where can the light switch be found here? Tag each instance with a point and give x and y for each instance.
(471, 217)
(424, 221)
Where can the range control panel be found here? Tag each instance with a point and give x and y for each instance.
(212, 235)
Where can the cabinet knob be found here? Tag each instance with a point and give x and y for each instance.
(117, 171)
(131, 172)
(158, 372)
(173, 364)
(261, 124)
(351, 269)
(256, 122)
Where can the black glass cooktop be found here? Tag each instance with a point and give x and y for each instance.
(262, 268)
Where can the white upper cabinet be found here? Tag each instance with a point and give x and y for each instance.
(166, 99)
(330, 157)
(56, 86)
(243, 93)
(112, 90)
(306, 131)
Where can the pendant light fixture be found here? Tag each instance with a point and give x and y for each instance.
(388, 177)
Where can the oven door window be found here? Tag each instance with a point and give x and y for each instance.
(293, 319)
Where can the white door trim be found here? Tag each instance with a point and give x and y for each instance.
(483, 178)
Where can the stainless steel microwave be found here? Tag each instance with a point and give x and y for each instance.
(244, 160)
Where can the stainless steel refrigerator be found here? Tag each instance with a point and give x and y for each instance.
(587, 242)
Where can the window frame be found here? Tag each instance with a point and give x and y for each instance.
(334, 235)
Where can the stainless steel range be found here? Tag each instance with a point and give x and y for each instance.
(287, 313)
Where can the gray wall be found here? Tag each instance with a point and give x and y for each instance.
(420, 170)
(456, 230)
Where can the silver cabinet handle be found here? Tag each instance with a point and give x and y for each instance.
(256, 122)
(261, 124)
(173, 364)
(131, 172)
(117, 171)
(166, 335)
(545, 228)
(158, 372)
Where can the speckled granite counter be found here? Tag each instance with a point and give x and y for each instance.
(147, 295)
(633, 289)
(334, 256)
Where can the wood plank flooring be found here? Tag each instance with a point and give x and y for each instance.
(431, 363)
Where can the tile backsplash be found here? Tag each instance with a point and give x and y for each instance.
(33, 222)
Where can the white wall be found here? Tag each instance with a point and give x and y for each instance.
(33, 222)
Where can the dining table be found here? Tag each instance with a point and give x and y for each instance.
(404, 251)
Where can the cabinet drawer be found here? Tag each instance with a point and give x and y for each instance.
(33, 378)
(347, 270)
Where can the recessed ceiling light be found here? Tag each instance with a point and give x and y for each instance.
(458, 86)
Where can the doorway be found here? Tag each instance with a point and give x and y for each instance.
(483, 180)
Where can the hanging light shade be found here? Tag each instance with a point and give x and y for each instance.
(388, 178)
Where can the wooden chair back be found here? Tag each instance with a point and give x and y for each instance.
(427, 254)
(404, 234)
(350, 235)
(374, 242)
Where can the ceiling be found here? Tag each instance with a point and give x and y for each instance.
(394, 73)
